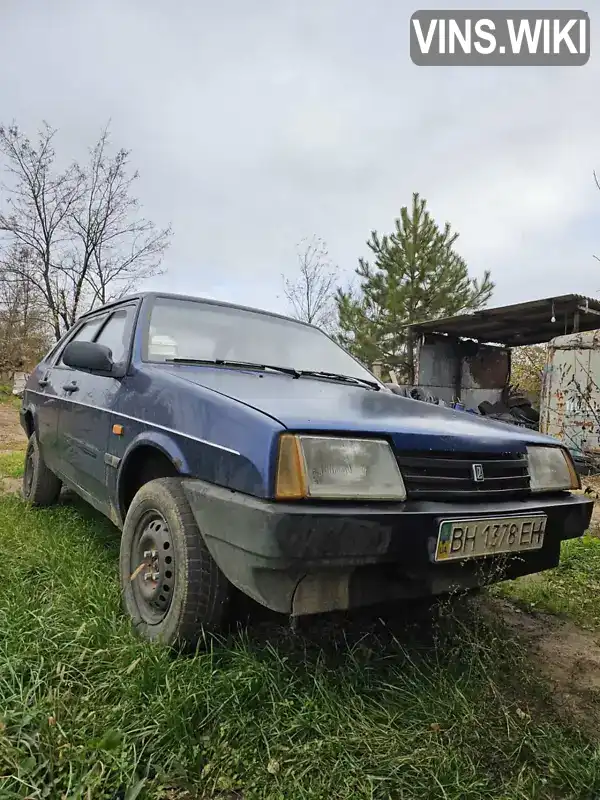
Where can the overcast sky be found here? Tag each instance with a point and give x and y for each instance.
(255, 123)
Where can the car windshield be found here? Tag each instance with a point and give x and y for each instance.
(188, 329)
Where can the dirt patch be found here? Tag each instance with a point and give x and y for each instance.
(568, 657)
(12, 435)
(10, 485)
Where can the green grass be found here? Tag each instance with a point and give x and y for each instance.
(11, 464)
(572, 589)
(356, 709)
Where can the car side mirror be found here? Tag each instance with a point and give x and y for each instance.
(88, 356)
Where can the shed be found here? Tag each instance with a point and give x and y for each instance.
(468, 356)
(534, 322)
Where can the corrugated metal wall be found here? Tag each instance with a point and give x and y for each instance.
(570, 403)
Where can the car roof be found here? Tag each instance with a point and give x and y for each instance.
(207, 301)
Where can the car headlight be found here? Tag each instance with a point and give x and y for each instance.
(336, 468)
(551, 470)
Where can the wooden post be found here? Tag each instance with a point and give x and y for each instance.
(377, 369)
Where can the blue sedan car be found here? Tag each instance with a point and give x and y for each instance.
(238, 449)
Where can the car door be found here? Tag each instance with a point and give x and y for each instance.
(44, 397)
(47, 388)
(86, 405)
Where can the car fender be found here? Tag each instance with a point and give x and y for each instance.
(29, 409)
(161, 442)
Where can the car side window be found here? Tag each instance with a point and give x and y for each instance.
(86, 333)
(116, 334)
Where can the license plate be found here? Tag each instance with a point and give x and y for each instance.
(476, 537)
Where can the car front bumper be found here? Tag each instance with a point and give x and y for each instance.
(302, 559)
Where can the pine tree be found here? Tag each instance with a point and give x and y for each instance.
(416, 275)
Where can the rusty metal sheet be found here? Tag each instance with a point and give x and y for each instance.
(520, 324)
(570, 403)
(449, 368)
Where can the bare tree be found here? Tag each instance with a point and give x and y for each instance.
(117, 247)
(24, 330)
(79, 229)
(36, 208)
(311, 294)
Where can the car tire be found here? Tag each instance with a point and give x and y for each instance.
(40, 486)
(172, 588)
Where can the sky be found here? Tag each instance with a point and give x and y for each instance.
(257, 124)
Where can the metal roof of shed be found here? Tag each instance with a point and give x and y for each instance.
(522, 323)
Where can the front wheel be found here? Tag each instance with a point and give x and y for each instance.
(172, 588)
(40, 487)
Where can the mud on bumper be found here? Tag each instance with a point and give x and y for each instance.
(301, 559)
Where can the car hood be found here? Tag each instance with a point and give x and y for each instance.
(307, 404)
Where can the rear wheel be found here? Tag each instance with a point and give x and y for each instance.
(172, 587)
(41, 487)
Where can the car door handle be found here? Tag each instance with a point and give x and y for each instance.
(70, 387)
(43, 382)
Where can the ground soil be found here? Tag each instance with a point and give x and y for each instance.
(12, 436)
(10, 485)
(568, 657)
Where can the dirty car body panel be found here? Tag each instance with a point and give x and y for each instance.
(218, 406)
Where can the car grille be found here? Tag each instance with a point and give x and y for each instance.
(449, 475)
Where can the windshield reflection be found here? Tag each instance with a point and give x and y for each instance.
(188, 329)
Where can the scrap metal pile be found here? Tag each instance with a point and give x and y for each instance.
(517, 410)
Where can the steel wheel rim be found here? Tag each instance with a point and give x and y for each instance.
(153, 565)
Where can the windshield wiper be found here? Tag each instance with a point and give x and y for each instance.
(223, 362)
(295, 373)
(334, 376)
